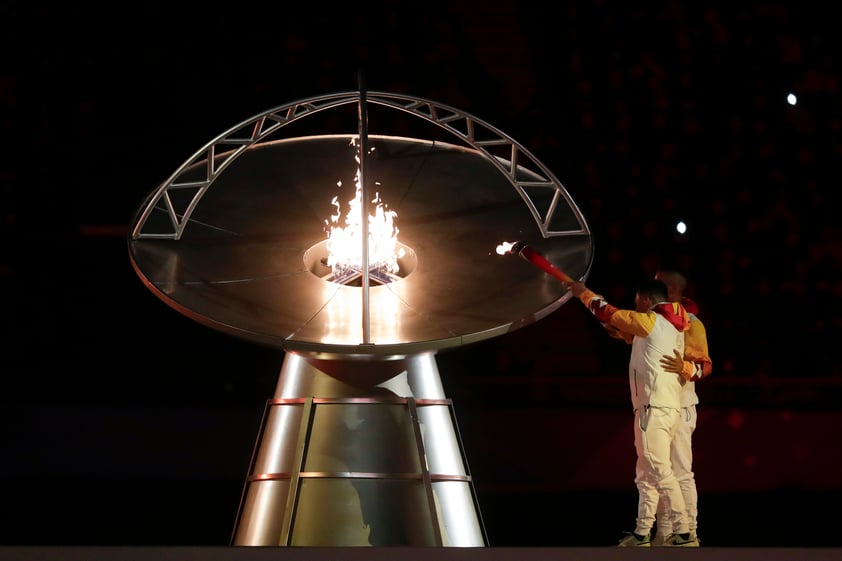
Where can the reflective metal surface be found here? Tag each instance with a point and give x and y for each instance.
(372, 465)
(242, 265)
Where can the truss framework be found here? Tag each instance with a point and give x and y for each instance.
(507, 155)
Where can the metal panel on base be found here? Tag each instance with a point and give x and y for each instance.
(339, 463)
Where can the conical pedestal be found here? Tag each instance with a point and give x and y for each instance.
(359, 453)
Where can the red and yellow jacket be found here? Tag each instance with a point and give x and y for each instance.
(697, 361)
(653, 334)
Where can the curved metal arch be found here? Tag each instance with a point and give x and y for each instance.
(483, 137)
(509, 158)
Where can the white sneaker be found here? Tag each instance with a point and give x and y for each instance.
(682, 540)
(633, 540)
(659, 540)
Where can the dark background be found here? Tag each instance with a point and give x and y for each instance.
(124, 423)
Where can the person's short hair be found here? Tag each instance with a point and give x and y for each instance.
(654, 289)
(675, 279)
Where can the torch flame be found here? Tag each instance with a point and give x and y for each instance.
(344, 244)
(505, 248)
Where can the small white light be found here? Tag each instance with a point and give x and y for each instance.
(681, 227)
(791, 99)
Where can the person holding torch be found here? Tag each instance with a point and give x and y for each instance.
(655, 329)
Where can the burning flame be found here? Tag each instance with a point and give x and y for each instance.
(344, 244)
(505, 248)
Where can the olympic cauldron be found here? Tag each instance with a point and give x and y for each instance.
(359, 444)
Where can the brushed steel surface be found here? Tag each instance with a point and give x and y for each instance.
(372, 464)
(242, 266)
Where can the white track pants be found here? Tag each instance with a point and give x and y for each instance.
(682, 466)
(654, 430)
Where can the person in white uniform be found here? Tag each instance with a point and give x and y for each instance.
(655, 329)
(693, 366)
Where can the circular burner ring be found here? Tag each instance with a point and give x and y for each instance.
(315, 260)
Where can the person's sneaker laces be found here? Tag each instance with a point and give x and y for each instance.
(635, 540)
(682, 540)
